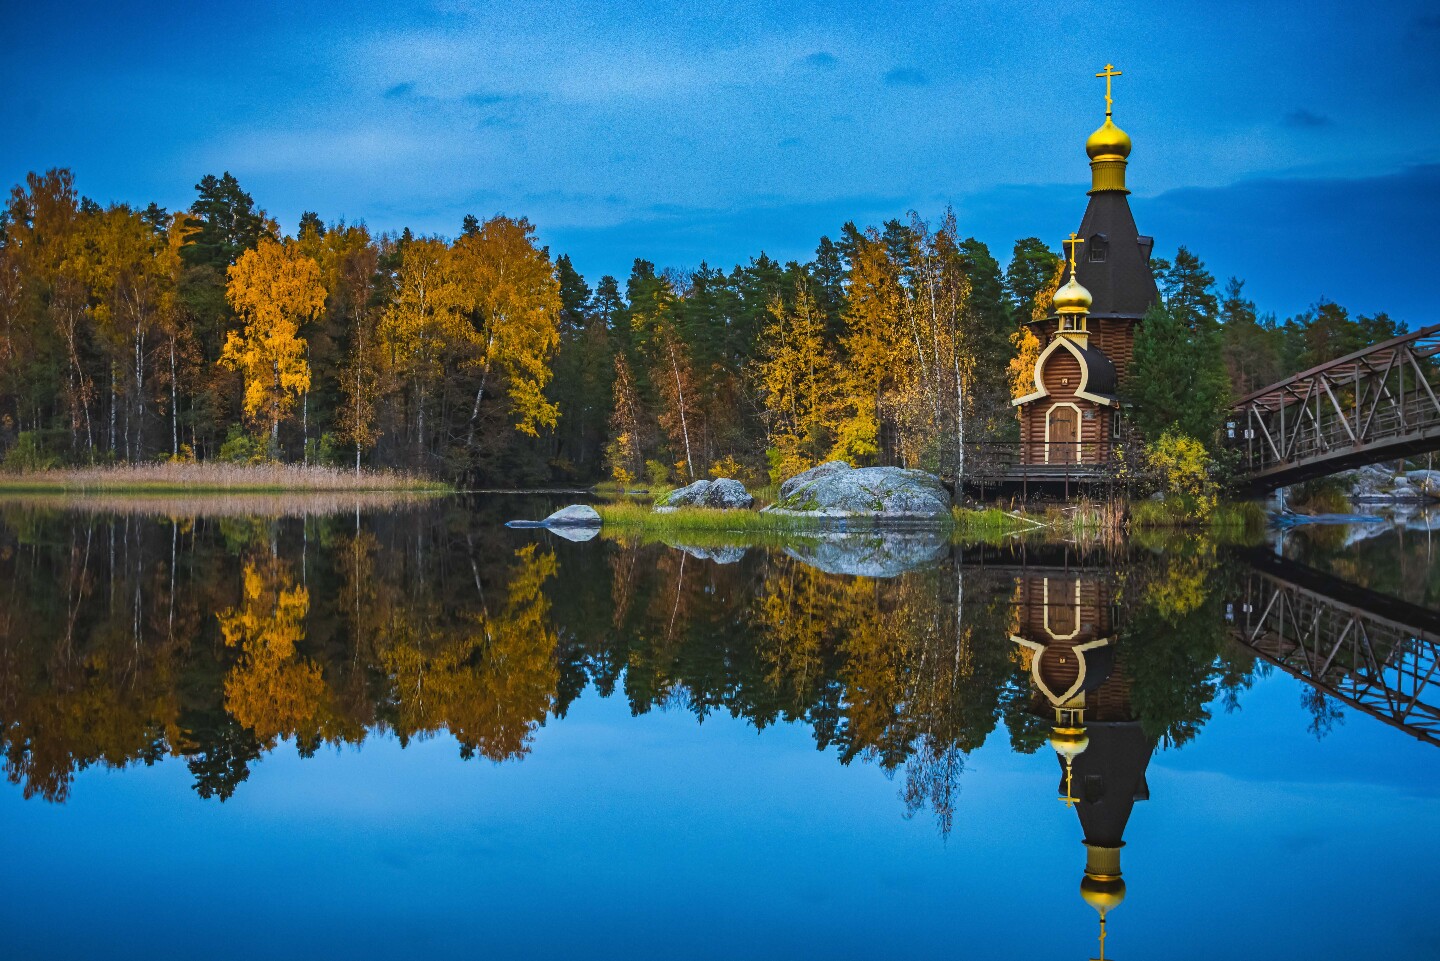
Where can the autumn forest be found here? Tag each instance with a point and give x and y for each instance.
(132, 334)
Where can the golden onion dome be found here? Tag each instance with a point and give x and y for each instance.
(1069, 742)
(1102, 893)
(1108, 143)
(1072, 298)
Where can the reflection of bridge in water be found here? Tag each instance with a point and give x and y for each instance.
(1370, 651)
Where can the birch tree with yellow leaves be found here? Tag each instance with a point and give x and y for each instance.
(273, 288)
(514, 297)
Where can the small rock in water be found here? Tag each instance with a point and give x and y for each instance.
(576, 515)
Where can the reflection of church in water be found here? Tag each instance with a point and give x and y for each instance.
(1065, 632)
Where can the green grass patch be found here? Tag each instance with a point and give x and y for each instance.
(1240, 517)
(633, 515)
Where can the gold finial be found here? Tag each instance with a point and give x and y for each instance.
(1102, 940)
(1072, 243)
(1109, 73)
(1069, 799)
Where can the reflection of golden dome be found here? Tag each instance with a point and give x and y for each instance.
(1069, 742)
(1072, 298)
(1108, 143)
(1103, 893)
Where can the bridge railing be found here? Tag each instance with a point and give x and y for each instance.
(1377, 665)
(1375, 403)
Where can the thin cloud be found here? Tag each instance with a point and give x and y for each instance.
(906, 77)
(1302, 119)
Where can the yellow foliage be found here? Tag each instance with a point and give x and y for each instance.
(510, 285)
(727, 466)
(1184, 469)
(491, 681)
(1022, 365)
(1045, 296)
(272, 691)
(274, 288)
(873, 344)
(797, 377)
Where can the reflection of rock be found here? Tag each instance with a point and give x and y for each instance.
(723, 493)
(720, 555)
(872, 554)
(574, 517)
(575, 533)
(838, 490)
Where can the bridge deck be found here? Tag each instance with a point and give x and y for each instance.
(1376, 404)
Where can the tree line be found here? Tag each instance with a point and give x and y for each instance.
(130, 335)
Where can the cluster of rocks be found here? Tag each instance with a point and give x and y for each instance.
(1377, 484)
(875, 497)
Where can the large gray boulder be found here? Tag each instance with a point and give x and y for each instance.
(723, 493)
(837, 490)
(873, 553)
(789, 487)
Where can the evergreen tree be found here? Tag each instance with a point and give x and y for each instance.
(229, 223)
(1177, 379)
(1189, 291)
(1032, 265)
(1252, 349)
(310, 223)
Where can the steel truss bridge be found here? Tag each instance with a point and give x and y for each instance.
(1376, 654)
(1376, 404)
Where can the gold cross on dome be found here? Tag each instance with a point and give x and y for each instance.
(1108, 73)
(1072, 243)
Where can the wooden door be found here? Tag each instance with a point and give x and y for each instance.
(1064, 432)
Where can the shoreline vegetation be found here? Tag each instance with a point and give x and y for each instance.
(635, 517)
(210, 478)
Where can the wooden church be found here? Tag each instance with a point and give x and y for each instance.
(1074, 414)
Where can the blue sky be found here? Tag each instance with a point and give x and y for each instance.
(1298, 149)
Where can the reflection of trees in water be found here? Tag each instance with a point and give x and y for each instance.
(125, 640)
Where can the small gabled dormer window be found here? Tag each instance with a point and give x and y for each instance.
(1097, 247)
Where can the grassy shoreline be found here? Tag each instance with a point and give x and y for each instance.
(213, 478)
(636, 517)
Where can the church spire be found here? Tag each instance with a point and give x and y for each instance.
(1072, 301)
(1109, 146)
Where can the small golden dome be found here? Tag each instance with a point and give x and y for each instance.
(1072, 298)
(1108, 143)
(1102, 893)
(1069, 742)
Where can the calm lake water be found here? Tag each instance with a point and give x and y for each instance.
(412, 733)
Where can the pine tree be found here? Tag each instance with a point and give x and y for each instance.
(1177, 379)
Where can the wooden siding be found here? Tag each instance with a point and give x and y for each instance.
(1061, 377)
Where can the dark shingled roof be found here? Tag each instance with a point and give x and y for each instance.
(1122, 284)
(1102, 371)
(1108, 778)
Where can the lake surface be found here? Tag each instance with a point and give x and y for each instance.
(336, 730)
